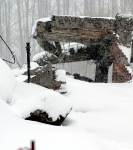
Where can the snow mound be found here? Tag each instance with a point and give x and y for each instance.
(12, 126)
(60, 75)
(7, 82)
(54, 104)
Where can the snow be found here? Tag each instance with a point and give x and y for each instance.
(18, 71)
(16, 133)
(44, 19)
(129, 69)
(109, 18)
(126, 15)
(49, 101)
(63, 88)
(103, 109)
(101, 118)
(7, 82)
(41, 55)
(66, 47)
(21, 78)
(126, 51)
(60, 75)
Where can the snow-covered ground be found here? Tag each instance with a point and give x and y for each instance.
(101, 119)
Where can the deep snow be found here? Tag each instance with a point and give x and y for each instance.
(101, 119)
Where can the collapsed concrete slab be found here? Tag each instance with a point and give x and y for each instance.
(104, 39)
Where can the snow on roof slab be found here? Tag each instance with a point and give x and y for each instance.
(126, 15)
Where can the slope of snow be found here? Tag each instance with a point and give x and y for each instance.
(103, 109)
(16, 133)
(101, 119)
(7, 82)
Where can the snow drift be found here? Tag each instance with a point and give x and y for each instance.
(7, 82)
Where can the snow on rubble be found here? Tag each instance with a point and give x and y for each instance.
(51, 102)
(60, 75)
(101, 119)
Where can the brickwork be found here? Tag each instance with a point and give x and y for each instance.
(120, 73)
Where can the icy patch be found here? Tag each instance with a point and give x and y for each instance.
(7, 82)
(49, 101)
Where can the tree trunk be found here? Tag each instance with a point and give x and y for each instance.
(0, 28)
(20, 31)
(86, 8)
(58, 6)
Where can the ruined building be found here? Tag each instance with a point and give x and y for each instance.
(108, 41)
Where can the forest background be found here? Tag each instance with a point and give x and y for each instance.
(18, 16)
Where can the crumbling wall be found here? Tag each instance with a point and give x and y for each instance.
(124, 28)
(101, 36)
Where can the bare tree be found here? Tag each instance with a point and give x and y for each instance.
(58, 4)
(0, 27)
(20, 30)
(86, 7)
